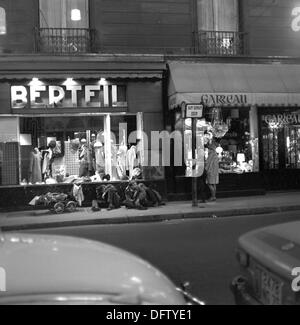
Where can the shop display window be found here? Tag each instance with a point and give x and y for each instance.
(237, 152)
(280, 129)
(63, 149)
(237, 146)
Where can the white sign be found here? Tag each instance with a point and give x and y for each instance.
(2, 280)
(54, 96)
(194, 111)
(296, 21)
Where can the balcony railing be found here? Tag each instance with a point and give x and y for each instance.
(64, 40)
(221, 43)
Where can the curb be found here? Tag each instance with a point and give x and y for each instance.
(153, 218)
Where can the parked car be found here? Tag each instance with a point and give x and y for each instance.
(267, 258)
(44, 269)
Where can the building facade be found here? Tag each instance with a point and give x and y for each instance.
(75, 70)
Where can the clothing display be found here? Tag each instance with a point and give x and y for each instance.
(121, 161)
(99, 154)
(131, 160)
(35, 171)
(84, 160)
(47, 159)
(69, 155)
(78, 194)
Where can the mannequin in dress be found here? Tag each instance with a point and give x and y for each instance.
(131, 160)
(83, 159)
(99, 156)
(35, 171)
(121, 161)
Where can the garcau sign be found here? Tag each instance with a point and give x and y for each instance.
(282, 119)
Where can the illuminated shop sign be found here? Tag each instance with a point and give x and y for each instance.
(224, 99)
(67, 95)
(282, 119)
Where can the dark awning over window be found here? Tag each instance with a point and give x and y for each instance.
(222, 84)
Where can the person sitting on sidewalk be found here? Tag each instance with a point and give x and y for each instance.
(153, 197)
(136, 197)
(107, 195)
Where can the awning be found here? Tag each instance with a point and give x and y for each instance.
(52, 75)
(223, 84)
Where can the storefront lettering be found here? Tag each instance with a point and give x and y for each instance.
(283, 119)
(52, 96)
(222, 100)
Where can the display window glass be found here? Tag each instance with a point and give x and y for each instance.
(237, 149)
(63, 149)
(237, 146)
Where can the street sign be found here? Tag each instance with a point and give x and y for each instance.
(194, 111)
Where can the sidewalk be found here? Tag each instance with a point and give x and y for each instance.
(38, 219)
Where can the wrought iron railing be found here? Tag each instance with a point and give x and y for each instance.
(64, 40)
(221, 43)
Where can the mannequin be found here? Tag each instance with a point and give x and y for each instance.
(35, 172)
(131, 160)
(99, 157)
(121, 161)
(83, 159)
(48, 159)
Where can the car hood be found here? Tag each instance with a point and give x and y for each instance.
(40, 264)
(276, 247)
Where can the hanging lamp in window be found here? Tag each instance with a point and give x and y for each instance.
(75, 15)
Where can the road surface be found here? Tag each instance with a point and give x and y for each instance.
(201, 251)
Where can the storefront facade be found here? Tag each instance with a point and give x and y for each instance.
(258, 103)
(59, 127)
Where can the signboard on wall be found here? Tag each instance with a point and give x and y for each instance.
(282, 119)
(69, 94)
(194, 111)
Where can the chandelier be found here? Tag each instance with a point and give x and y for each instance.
(218, 127)
(274, 125)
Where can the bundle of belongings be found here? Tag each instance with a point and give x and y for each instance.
(141, 197)
(106, 197)
(56, 202)
(59, 202)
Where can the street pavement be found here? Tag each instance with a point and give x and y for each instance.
(37, 219)
(201, 251)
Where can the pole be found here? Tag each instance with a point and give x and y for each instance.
(194, 179)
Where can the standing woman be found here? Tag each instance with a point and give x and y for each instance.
(212, 168)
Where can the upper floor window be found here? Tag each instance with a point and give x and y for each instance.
(218, 28)
(218, 15)
(2, 21)
(64, 14)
